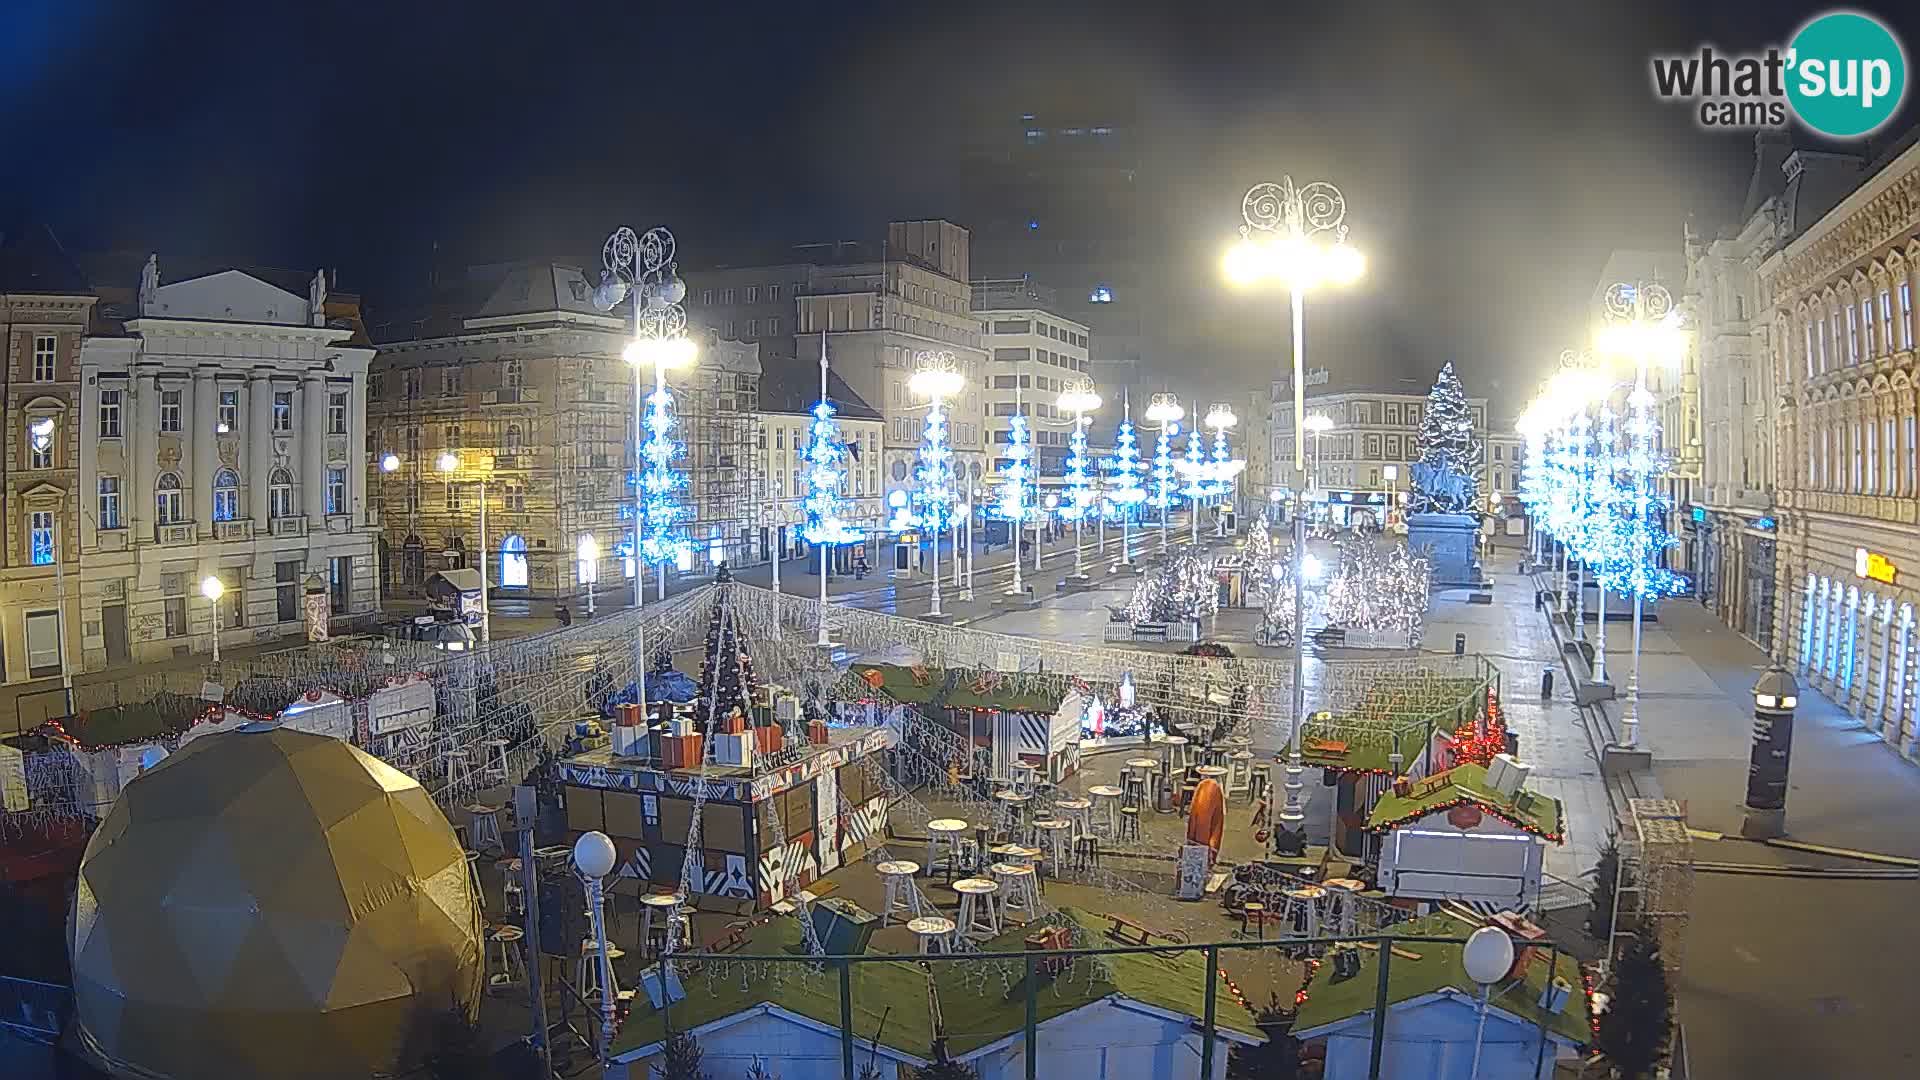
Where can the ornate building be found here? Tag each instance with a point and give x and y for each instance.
(1840, 297)
(222, 434)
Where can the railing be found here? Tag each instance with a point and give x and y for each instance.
(240, 529)
(174, 533)
(291, 525)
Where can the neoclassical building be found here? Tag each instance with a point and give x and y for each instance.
(1841, 297)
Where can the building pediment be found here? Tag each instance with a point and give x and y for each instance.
(43, 490)
(229, 296)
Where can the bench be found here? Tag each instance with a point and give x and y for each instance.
(1150, 631)
(1127, 932)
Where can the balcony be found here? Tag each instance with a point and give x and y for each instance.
(291, 525)
(525, 395)
(338, 524)
(241, 529)
(174, 534)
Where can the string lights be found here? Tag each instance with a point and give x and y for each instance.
(826, 455)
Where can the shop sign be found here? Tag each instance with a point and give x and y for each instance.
(1874, 566)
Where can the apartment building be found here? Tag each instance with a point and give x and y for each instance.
(1032, 354)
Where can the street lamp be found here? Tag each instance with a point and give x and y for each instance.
(389, 463)
(1316, 425)
(213, 589)
(593, 859)
(589, 552)
(450, 464)
(1165, 411)
(1079, 398)
(1223, 468)
(1646, 330)
(1295, 236)
(937, 378)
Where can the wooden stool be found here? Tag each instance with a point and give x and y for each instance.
(1253, 913)
(1051, 836)
(901, 895)
(513, 962)
(1078, 813)
(1086, 854)
(1149, 770)
(1011, 821)
(1026, 778)
(494, 753)
(1106, 803)
(513, 900)
(459, 770)
(935, 933)
(1018, 889)
(1260, 783)
(979, 913)
(1134, 786)
(943, 844)
(657, 912)
(485, 831)
(586, 974)
(1239, 773)
(1173, 751)
(1129, 823)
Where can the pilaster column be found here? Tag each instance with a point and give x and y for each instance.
(259, 445)
(358, 461)
(205, 464)
(313, 448)
(141, 422)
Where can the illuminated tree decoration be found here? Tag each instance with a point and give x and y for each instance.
(1647, 538)
(1124, 470)
(1079, 497)
(1194, 469)
(1224, 468)
(826, 457)
(1163, 467)
(1017, 477)
(933, 498)
(660, 481)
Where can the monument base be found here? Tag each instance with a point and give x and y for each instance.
(1448, 541)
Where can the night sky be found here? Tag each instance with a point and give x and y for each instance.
(1491, 154)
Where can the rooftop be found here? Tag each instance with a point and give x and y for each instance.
(32, 261)
(1467, 784)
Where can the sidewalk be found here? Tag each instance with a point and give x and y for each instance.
(1783, 976)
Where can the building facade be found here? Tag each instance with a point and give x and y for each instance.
(1364, 459)
(45, 308)
(531, 394)
(222, 433)
(1032, 355)
(1840, 297)
(785, 421)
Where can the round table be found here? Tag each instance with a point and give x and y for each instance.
(1149, 770)
(900, 894)
(1217, 773)
(898, 866)
(1052, 836)
(935, 933)
(944, 833)
(1309, 897)
(1013, 807)
(1342, 906)
(1078, 813)
(1173, 750)
(1108, 797)
(979, 917)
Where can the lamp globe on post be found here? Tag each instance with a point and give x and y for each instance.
(937, 378)
(1488, 958)
(213, 589)
(389, 463)
(593, 857)
(1775, 697)
(589, 554)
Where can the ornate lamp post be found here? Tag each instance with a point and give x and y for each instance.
(1296, 236)
(449, 465)
(1079, 399)
(213, 589)
(589, 554)
(937, 378)
(1644, 328)
(1224, 468)
(1165, 411)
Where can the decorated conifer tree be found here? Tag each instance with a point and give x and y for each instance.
(726, 671)
(680, 1059)
(1634, 1032)
(1447, 443)
(1259, 559)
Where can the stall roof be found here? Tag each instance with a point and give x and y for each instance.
(1462, 784)
(1439, 969)
(1027, 692)
(975, 1014)
(464, 579)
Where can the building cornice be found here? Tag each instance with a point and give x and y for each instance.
(1879, 212)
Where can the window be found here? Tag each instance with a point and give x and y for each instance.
(280, 494)
(166, 495)
(336, 491)
(513, 437)
(513, 497)
(40, 442)
(1012, 326)
(1496, 453)
(753, 294)
(1820, 339)
(1888, 340)
(1873, 459)
(1907, 480)
(1866, 329)
(753, 328)
(229, 412)
(1906, 315)
(286, 590)
(44, 346)
(727, 331)
(337, 413)
(773, 325)
(226, 495)
(232, 608)
(773, 294)
(109, 503)
(726, 296)
(453, 496)
(1889, 475)
(283, 410)
(513, 375)
(1809, 329)
(1853, 449)
(706, 296)
(452, 440)
(412, 385)
(110, 414)
(176, 610)
(169, 410)
(451, 383)
(339, 582)
(40, 537)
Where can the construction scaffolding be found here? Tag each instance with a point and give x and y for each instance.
(1653, 892)
(717, 406)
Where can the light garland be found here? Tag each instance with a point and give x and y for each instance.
(1194, 469)
(1163, 468)
(826, 471)
(1124, 470)
(659, 481)
(1017, 477)
(933, 497)
(1079, 497)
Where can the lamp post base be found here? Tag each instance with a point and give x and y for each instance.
(1616, 760)
(1763, 824)
(1589, 691)
(1016, 601)
(1075, 583)
(936, 616)
(1125, 569)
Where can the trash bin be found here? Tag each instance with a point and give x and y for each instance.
(1546, 684)
(1459, 644)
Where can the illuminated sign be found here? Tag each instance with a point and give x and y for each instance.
(1873, 566)
(1699, 513)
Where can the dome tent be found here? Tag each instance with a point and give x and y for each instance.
(271, 902)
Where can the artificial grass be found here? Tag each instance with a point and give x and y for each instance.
(1467, 782)
(1440, 968)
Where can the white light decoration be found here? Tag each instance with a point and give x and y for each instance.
(826, 471)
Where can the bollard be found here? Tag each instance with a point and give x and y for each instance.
(1539, 599)
(1546, 685)
(1459, 644)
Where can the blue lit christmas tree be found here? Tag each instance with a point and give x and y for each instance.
(1163, 469)
(1015, 502)
(826, 457)
(1079, 499)
(1223, 466)
(933, 497)
(1124, 470)
(1647, 538)
(1195, 471)
(660, 539)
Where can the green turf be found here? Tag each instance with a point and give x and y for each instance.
(1438, 968)
(1540, 813)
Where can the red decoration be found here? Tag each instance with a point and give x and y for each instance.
(874, 678)
(1480, 739)
(1465, 816)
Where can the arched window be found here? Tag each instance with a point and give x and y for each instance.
(280, 494)
(167, 499)
(226, 495)
(513, 562)
(513, 437)
(514, 374)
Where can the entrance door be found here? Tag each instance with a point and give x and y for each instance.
(43, 644)
(513, 563)
(113, 623)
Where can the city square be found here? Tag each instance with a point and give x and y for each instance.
(1192, 579)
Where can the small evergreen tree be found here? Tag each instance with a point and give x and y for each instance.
(1446, 436)
(759, 1071)
(1606, 880)
(681, 1059)
(1637, 1027)
(947, 1070)
(1276, 1059)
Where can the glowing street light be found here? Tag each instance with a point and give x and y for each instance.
(450, 464)
(588, 551)
(389, 463)
(937, 378)
(213, 589)
(1079, 398)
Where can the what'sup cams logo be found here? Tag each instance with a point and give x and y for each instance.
(1844, 74)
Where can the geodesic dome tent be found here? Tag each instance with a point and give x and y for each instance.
(269, 902)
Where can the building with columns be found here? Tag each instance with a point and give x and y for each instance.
(1368, 453)
(223, 432)
(1840, 298)
(45, 307)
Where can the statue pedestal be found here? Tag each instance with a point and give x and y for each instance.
(1448, 541)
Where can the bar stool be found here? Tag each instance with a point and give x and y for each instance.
(1050, 836)
(979, 915)
(1019, 892)
(1106, 801)
(1078, 814)
(943, 844)
(459, 770)
(513, 900)
(1239, 773)
(1134, 785)
(1129, 823)
(513, 962)
(1173, 751)
(901, 895)
(1149, 770)
(1026, 777)
(494, 753)
(935, 933)
(586, 973)
(1261, 782)
(657, 912)
(1212, 754)
(1012, 818)
(485, 833)
(1253, 914)
(1086, 853)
